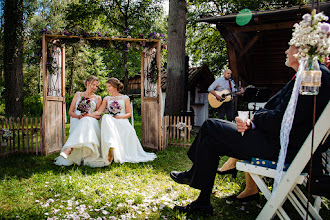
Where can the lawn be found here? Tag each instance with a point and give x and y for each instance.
(32, 187)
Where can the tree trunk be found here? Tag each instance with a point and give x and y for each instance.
(176, 57)
(13, 57)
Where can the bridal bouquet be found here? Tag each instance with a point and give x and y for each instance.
(84, 105)
(114, 108)
(311, 35)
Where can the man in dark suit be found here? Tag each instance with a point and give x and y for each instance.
(261, 139)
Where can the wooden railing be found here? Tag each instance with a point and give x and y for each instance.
(21, 135)
(176, 130)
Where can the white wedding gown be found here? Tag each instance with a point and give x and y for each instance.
(84, 139)
(120, 135)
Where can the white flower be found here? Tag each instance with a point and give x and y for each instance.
(311, 35)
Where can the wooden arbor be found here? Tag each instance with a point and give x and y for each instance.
(54, 91)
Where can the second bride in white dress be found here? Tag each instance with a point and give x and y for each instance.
(118, 137)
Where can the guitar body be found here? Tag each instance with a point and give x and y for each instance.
(214, 102)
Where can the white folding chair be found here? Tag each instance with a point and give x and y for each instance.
(288, 186)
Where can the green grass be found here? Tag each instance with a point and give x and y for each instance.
(32, 187)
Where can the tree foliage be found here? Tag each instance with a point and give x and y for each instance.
(204, 42)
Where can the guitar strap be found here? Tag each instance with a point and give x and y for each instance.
(230, 86)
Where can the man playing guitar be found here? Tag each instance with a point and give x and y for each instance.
(221, 89)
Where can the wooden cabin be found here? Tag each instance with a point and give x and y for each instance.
(199, 79)
(256, 50)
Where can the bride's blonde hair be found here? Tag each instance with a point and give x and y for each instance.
(116, 83)
(91, 79)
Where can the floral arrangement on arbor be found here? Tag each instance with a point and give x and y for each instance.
(105, 43)
(311, 36)
(84, 105)
(114, 108)
(152, 75)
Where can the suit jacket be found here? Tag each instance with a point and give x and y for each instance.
(269, 118)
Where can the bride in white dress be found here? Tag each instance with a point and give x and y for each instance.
(119, 141)
(83, 144)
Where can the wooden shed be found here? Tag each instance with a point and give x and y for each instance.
(256, 50)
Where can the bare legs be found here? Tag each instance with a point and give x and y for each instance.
(250, 186)
(230, 164)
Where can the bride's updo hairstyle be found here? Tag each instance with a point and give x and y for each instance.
(91, 79)
(116, 83)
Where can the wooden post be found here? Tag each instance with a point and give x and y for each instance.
(36, 124)
(63, 95)
(41, 143)
(31, 132)
(14, 136)
(23, 135)
(44, 78)
(158, 49)
(142, 89)
(6, 125)
(189, 129)
(27, 135)
(18, 136)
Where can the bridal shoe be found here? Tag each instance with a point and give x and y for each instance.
(64, 155)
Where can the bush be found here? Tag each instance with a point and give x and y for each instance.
(33, 106)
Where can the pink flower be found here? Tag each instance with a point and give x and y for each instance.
(325, 27)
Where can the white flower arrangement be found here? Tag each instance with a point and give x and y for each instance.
(180, 125)
(311, 36)
(6, 134)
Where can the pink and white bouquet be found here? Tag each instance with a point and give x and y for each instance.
(84, 105)
(114, 108)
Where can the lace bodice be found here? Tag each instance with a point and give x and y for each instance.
(116, 104)
(92, 103)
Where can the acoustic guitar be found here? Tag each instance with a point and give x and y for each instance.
(225, 97)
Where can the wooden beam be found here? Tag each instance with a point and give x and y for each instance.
(57, 36)
(262, 27)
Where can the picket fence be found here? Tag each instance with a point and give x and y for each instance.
(21, 135)
(176, 130)
(25, 135)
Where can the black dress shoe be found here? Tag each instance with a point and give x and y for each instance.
(181, 177)
(233, 172)
(193, 207)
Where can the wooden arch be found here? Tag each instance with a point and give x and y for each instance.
(54, 112)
